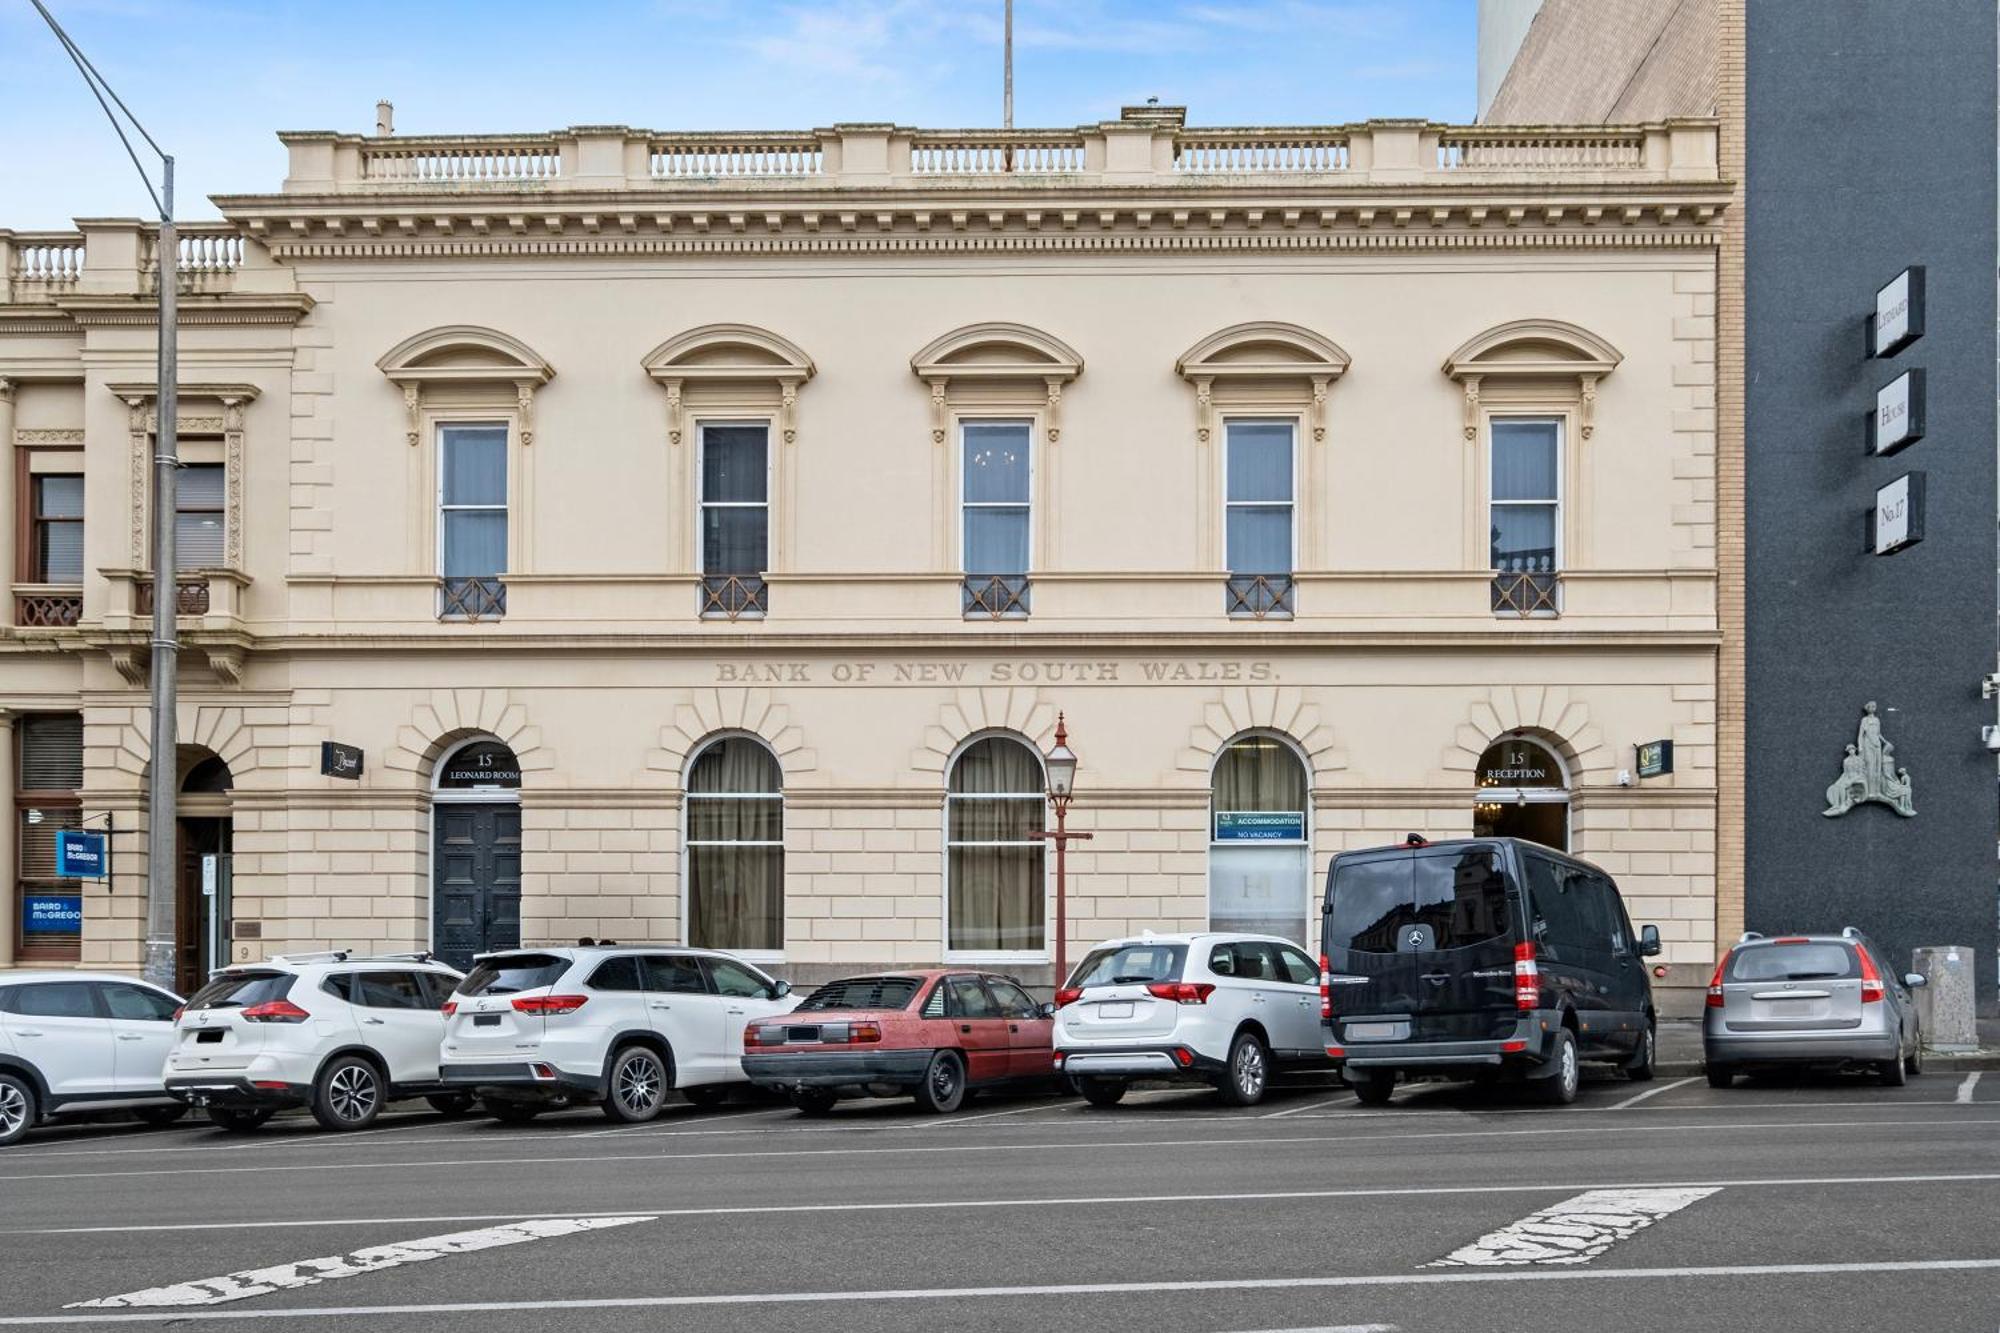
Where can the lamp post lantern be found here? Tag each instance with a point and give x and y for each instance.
(1060, 764)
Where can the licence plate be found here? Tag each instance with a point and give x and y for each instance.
(1791, 1008)
(1120, 1009)
(212, 1035)
(486, 1020)
(1373, 1031)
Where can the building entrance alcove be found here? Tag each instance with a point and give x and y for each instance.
(202, 869)
(1523, 793)
(475, 851)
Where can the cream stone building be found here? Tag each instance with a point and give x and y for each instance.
(700, 534)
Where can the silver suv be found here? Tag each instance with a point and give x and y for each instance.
(1810, 1000)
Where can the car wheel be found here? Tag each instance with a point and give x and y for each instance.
(238, 1120)
(1371, 1089)
(451, 1103)
(1249, 1071)
(943, 1088)
(1913, 1063)
(511, 1113)
(348, 1094)
(1101, 1091)
(637, 1087)
(814, 1101)
(1559, 1088)
(18, 1111)
(1894, 1073)
(1640, 1067)
(160, 1115)
(707, 1094)
(1720, 1076)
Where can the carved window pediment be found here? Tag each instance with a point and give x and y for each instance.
(736, 367)
(1529, 351)
(1264, 355)
(465, 354)
(1005, 361)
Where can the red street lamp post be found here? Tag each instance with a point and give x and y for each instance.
(1061, 765)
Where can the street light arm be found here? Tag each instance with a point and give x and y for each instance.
(99, 88)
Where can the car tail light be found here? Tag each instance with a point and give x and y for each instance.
(276, 1011)
(1791, 939)
(864, 1032)
(549, 1004)
(754, 1036)
(1336, 1052)
(1513, 1047)
(1325, 990)
(1183, 1057)
(1871, 980)
(1527, 978)
(546, 1073)
(177, 1014)
(1068, 995)
(1715, 983)
(271, 1084)
(1182, 992)
(449, 1008)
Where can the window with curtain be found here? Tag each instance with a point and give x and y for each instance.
(735, 517)
(48, 772)
(995, 811)
(1258, 517)
(1527, 497)
(472, 517)
(735, 843)
(198, 517)
(1258, 860)
(57, 538)
(995, 508)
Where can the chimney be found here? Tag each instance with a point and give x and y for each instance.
(385, 118)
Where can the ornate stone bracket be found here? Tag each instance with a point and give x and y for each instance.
(1587, 410)
(1471, 383)
(788, 412)
(1204, 410)
(940, 413)
(413, 404)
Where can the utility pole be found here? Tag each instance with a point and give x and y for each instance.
(1007, 97)
(162, 827)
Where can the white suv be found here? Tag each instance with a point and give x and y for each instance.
(1220, 1009)
(341, 1034)
(539, 1028)
(78, 1042)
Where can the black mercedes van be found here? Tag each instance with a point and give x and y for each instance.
(1480, 958)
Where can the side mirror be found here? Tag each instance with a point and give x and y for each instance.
(1916, 980)
(780, 989)
(1649, 941)
(1046, 1009)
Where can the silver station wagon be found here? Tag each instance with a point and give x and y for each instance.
(1811, 1000)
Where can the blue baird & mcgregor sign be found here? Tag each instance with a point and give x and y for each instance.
(79, 855)
(48, 914)
(1260, 826)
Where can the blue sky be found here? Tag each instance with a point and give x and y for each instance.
(214, 80)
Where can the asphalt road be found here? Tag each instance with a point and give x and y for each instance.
(1773, 1206)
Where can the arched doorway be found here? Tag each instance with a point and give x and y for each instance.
(475, 851)
(1523, 793)
(202, 870)
(1259, 853)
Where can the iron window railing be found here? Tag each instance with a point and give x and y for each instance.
(1260, 596)
(734, 596)
(998, 596)
(1527, 593)
(471, 599)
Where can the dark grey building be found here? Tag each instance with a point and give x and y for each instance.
(1871, 147)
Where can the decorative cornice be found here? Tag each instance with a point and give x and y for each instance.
(226, 310)
(47, 438)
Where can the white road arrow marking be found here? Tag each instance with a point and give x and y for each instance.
(372, 1259)
(1574, 1231)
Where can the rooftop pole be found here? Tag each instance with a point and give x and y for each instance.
(162, 954)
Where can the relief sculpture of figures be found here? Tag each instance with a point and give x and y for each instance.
(1869, 772)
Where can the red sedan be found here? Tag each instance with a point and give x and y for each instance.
(937, 1035)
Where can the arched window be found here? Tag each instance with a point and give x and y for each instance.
(1259, 861)
(995, 810)
(735, 842)
(1523, 793)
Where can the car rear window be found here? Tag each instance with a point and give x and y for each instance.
(863, 993)
(1419, 903)
(240, 990)
(513, 973)
(1130, 964)
(1794, 962)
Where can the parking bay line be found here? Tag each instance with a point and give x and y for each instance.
(1650, 1092)
(1964, 1097)
(1140, 1145)
(371, 1259)
(1573, 1231)
(1567, 1187)
(1464, 1277)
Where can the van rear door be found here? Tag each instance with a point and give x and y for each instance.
(1420, 945)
